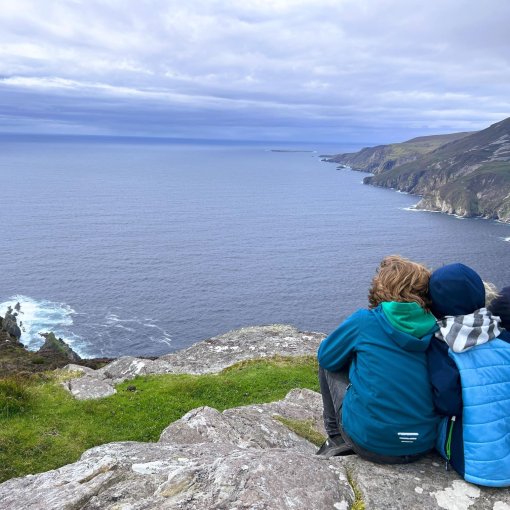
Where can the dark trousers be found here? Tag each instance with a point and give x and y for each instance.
(333, 387)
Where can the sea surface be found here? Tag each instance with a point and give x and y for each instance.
(142, 247)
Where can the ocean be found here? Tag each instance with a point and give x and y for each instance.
(142, 247)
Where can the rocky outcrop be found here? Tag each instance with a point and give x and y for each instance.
(243, 458)
(209, 356)
(9, 325)
(15, 359)
(468, 177)
(54, 345)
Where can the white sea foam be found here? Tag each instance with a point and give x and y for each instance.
(507, 239)
(41, 317)
(411, 208)
(414, 208)
(138, 325)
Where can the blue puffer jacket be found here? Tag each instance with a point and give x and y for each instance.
(472, 385)
(388, 408)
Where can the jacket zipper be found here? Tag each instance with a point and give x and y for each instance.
(448, 444)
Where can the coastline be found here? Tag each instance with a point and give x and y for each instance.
(421, 197)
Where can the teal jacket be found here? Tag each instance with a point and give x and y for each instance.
(388, 407)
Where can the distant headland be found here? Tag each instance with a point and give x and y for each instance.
(290, 150)
(466, 174)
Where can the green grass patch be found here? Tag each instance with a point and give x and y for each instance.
(50, 428)
(15, 396)
(358, 503)
(303, 428)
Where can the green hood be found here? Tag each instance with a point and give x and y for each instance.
(410, 318)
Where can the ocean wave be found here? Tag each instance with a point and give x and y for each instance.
(112, 332)
(105, 332)
(42, 316)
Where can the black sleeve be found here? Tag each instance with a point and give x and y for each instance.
(445, 379)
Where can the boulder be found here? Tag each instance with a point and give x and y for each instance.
(248, 426)
(88, 388)
(242, 344)
(129, 367)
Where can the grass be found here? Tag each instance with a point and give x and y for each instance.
(358, 503)
(303, 428)
(48, 428)
(15, 397)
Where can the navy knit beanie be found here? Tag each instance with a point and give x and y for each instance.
(456, 289)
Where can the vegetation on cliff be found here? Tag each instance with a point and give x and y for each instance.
(385, 157)
(42, 427)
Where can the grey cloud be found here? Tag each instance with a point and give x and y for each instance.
(385, 68)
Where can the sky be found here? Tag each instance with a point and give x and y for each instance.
(304, 70)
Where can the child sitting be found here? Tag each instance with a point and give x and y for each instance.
(373, 371)
(469, 366)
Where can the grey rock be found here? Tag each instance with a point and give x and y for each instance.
(422, 485)
(128, 367)
(83, 370)
(242, 344)
(88, 388)
(164, 476)
(254, 426)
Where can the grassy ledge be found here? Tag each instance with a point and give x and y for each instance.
(42, 427)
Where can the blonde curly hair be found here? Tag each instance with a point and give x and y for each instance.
(491, 293)
(399, 279)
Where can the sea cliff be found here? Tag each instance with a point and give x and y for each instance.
(468, 176)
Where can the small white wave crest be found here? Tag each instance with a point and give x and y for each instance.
(412, 208)
(41, 316)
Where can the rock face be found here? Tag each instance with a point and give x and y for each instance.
(467, 177)
(243, 458)
(9, 325)
(209, 356)
(54, 345)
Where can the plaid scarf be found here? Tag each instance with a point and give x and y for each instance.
(465, 331)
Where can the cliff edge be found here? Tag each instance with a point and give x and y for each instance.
(249, 457)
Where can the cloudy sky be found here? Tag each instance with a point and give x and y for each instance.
(309, 70)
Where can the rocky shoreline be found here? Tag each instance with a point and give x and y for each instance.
(17, 360)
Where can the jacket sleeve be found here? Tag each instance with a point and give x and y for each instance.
(445, 379)
(505, 336)
(336, 350)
